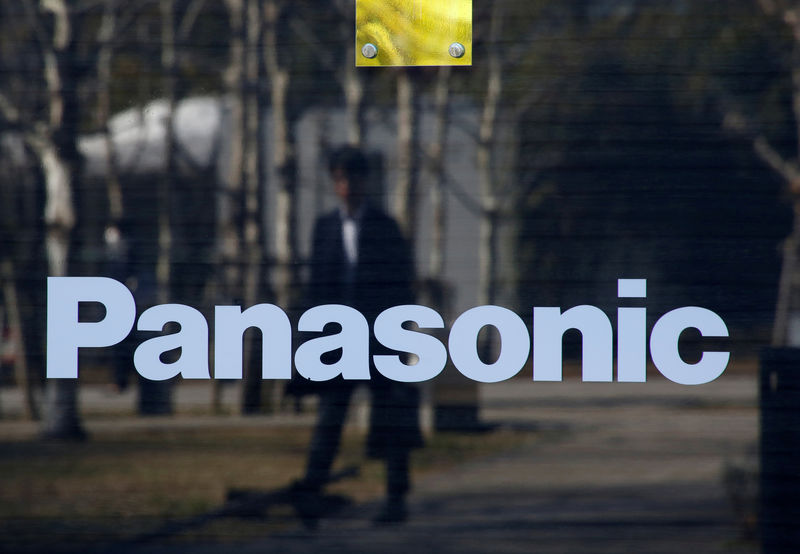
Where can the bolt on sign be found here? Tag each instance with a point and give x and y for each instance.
(413, 32)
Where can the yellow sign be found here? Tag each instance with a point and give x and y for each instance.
(413, 32)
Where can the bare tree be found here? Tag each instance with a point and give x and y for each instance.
(177, 20)
(241, 226)
(175, 25)
(253, 190)
(788, 169)
(155, 398)
(499, 192)
(437, 151)
(284, 117)
(484, 155)
(405, 194)
(169, 68)
(106, 34)
(53, 140)
(352, 81)
(116, 18)
(277, 15)
(353, 86)
(228, 233)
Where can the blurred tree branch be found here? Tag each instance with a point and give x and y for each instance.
(787, 169)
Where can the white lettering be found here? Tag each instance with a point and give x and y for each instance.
(192, 339)
(230, 324)
(353, 339)
(515, 342)
(664, 345)
(549, 326)
(632, 345)
(431, 353)
(65, 334)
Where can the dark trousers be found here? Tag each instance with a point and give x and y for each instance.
(331, 414)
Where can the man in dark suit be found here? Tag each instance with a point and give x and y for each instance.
(360, 259)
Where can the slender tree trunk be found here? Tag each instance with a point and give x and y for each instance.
(284, 117)
(354, 99)
(230, 213)
(788, 303)
(60, 161)
(113, 187)
(438, 149)
(405, 197)
(61, 417)
(283, 158)
(232, 199)
(253, 160)
(485, 159)
(169, 175)
(253, 198)
(490, 208)
(155, 398)
(286, 207)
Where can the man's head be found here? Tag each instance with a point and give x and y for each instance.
(349, 169)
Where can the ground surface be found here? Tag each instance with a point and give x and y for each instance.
(597, 468)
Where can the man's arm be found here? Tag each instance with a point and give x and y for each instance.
(315, 262)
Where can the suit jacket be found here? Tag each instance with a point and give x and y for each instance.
(383, 275)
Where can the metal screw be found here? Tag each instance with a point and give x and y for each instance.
(369, 50)
(457, 50)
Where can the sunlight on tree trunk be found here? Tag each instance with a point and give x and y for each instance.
(57, 152)
(485, 159)
(254, 198)
(437, 165)
(405, 194)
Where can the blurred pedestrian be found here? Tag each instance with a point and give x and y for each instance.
(360, 259)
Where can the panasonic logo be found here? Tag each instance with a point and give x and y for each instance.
(66, 334)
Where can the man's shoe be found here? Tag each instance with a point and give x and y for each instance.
(306, 500)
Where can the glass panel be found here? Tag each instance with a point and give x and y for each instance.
(236, 261)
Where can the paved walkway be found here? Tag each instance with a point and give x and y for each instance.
(622, 468)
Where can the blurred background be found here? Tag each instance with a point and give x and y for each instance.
(180, 147)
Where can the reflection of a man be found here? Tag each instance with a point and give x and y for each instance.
(359, 258)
